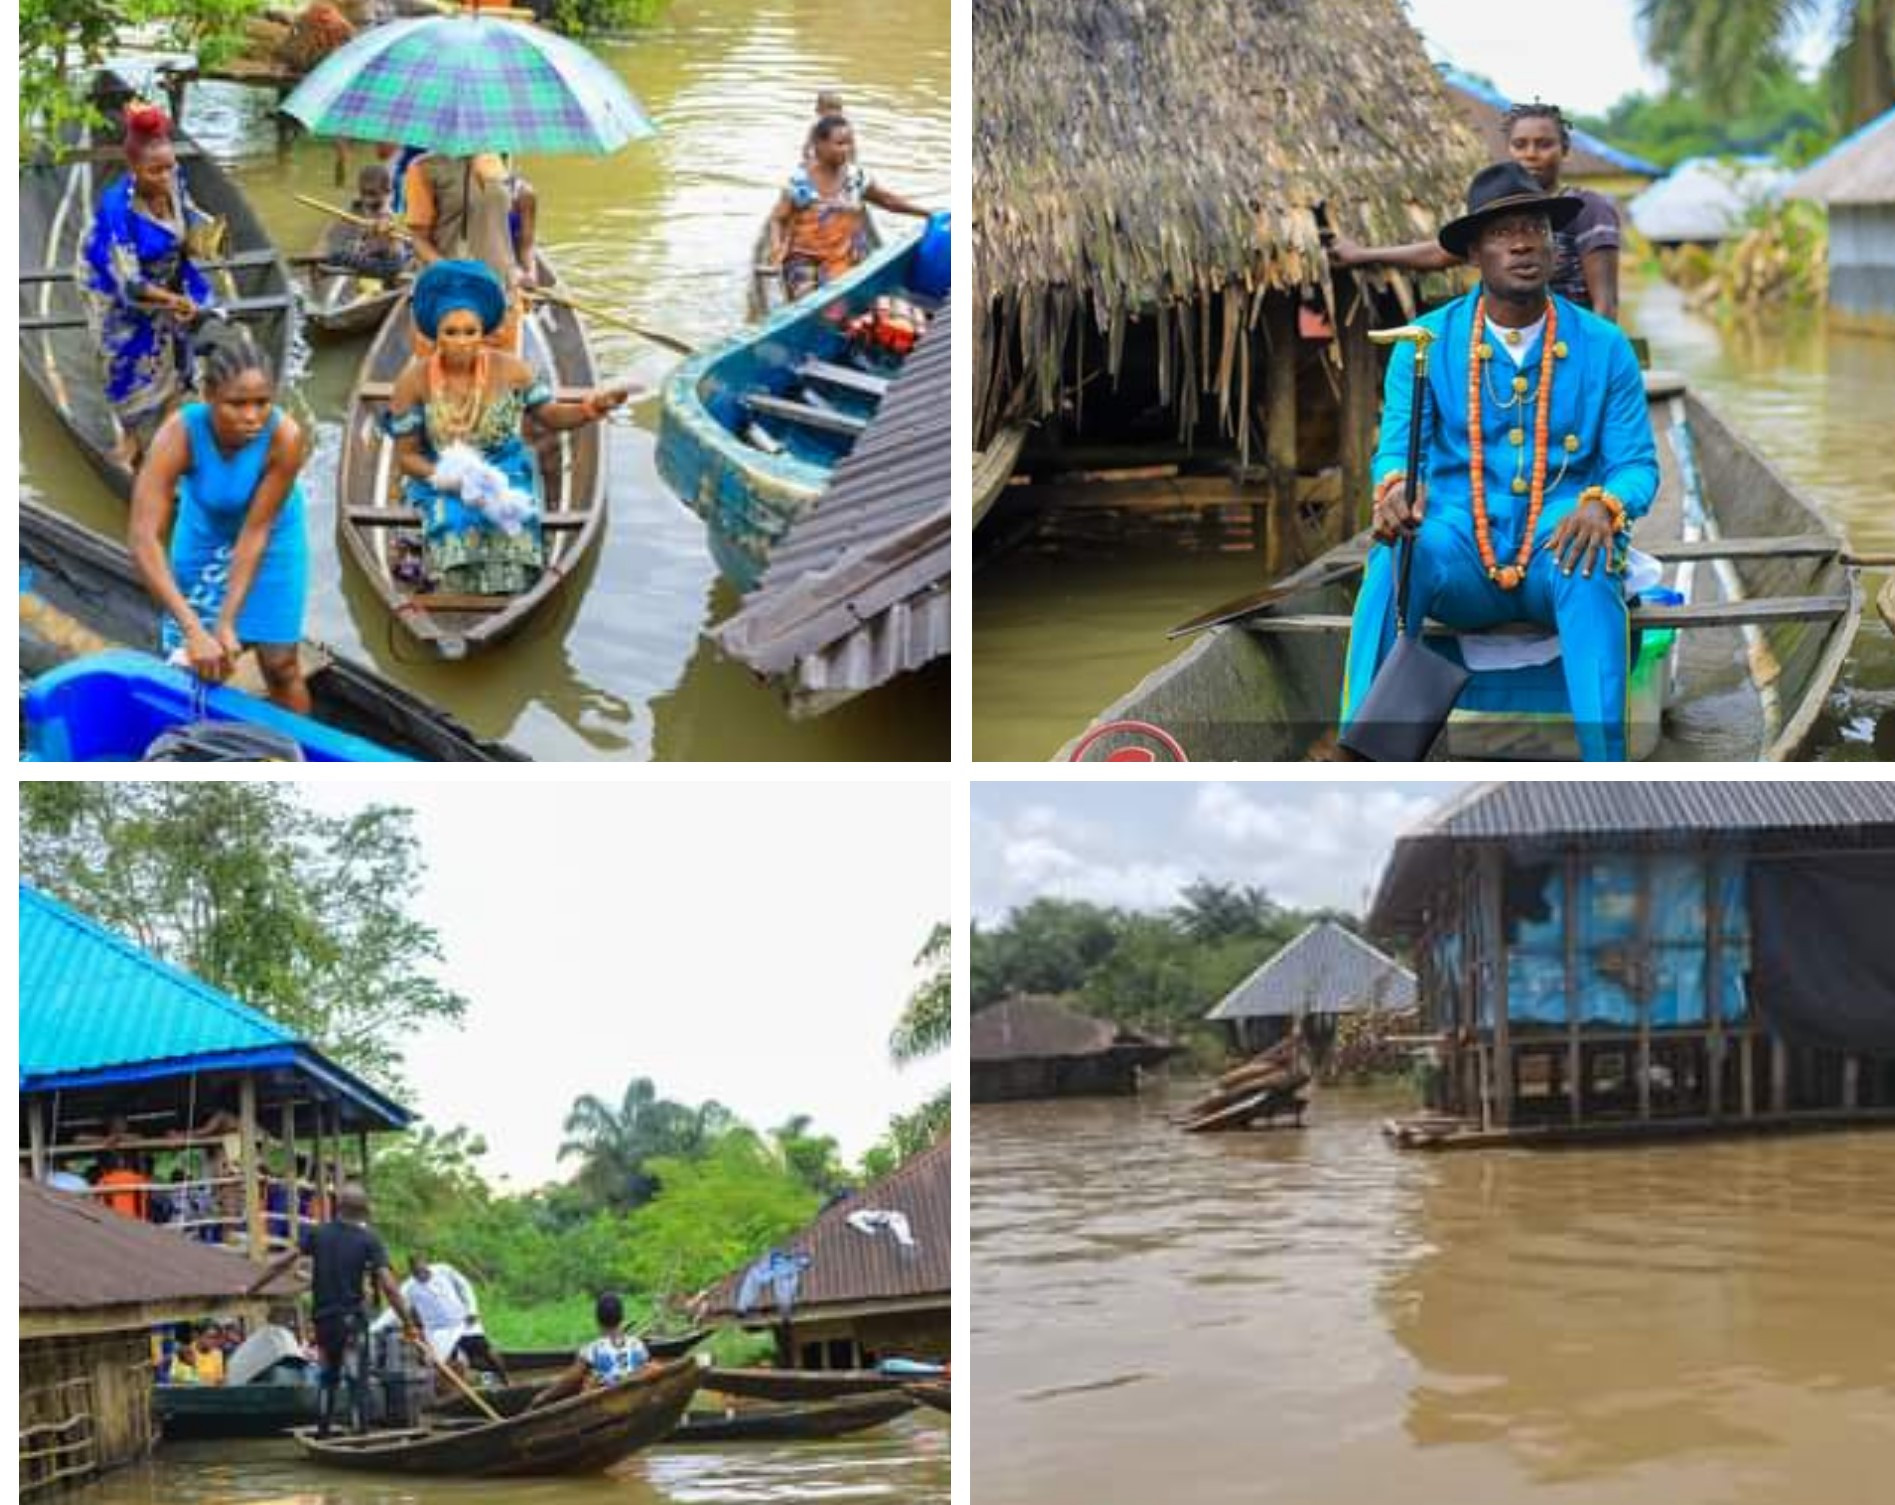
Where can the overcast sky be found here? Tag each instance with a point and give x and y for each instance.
(1137, 845)
(1583, 57)
(750, 943)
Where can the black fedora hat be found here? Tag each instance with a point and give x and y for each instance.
(1505, 188)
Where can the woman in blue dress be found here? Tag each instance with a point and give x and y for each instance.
(467, 392)
(142, 291)
(221, 480)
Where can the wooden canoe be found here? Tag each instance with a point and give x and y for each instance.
(79, 593)
(586, 1433)
(751, 429)
(766, 284)
(935, 1394)
(791, 1423)
(1772, 606)
(259, 1410)
(58, 355)
(371, 514)
(801, 1384)
(1885, 602)
(659, 1347)
(993, 467)
(342, 305)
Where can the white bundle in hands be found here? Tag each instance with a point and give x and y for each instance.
(485, 488)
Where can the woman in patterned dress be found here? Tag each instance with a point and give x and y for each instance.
(820, 227)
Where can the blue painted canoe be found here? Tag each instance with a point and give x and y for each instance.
(753, 428)
(110, 707)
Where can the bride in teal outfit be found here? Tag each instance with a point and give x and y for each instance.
(469, 392)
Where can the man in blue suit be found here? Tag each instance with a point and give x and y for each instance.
(1537, 457)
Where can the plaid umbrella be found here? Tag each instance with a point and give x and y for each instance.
(465, 84)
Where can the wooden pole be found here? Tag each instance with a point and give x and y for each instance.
(247, 1159)
(1643, 981)
(1714, 992)
(1279, 439)
(1779, 1076)
(455, 1379)
(1361, 396)
(36, 1134)
(1493, 896)
(319, 1168)
(294, 1220)
(1575, 1051)
(1851, 1082)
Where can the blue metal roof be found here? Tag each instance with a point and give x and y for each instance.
(95, 1009)
(1582, 140)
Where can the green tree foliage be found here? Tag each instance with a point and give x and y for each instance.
(927, 1023)
(619, 1144)
(1210, 911)
(716, 1211)
(812, 1158)
(1785, 116)
(1724, 51)
(1047, 946)
(603, 17)
(301, 915)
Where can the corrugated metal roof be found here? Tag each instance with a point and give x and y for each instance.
(858, 590)
(1590, 156)
(1860, 169)
(1753, 812)
(851, 1268)
(1328, 969)
(1031, 1027)
(93, 1005)
(75, 1255)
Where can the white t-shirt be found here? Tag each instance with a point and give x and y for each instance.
(442, 1304)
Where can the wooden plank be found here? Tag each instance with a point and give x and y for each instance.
(252, 1202)
(1804, 546)
(458, 601)
(803, 413)
(237, 263)
(409, 517)
(1494, 898)
(846, 377)
(1708, 614)
(243, 308)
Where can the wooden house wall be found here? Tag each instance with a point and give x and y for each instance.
(93, 1392)
(1862, 263)
(1029, 1077)
(862, 1341)
(1607, 988)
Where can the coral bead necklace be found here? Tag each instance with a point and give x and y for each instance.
(1509, 576)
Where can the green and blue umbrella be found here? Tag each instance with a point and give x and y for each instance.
(459, 85)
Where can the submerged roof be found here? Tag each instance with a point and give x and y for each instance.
(75, 1256)
(858, 590)
(851, 1268)
(1860, 169)
(1483, 108)
(1706, 198)
(1744, 813)
(1328, 969)
(95, 1009)
(1030, 1027)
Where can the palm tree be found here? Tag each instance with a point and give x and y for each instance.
(615, 1144)
(1719, 47)
(927, 1023)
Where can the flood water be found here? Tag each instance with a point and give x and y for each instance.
(1060, 635)
(1314, 1318)
(661, 233)
(905, 1461)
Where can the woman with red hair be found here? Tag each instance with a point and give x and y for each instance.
(142, 289)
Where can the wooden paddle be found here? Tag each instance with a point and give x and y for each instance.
(454, 1377)
(543, 294)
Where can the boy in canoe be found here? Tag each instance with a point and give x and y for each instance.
(1536, 460)
(612, 1358)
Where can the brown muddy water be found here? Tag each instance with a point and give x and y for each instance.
(1060, 633)
(906, 1461)
(661, 233)
(1314, 1318)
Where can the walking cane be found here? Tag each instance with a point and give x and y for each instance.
(1416, 688)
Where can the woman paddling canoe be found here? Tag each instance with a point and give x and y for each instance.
(819, 229)
(221, 481)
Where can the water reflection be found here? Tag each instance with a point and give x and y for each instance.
(1306, 1316)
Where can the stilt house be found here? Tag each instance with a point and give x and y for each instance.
(1323, 976)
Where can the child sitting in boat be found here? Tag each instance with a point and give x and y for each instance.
(370, 249)
(610, 1359)
(467, 395)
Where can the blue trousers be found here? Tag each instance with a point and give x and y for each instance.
(1449, 584)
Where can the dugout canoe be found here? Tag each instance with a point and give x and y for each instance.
(79, 594)
(374, 522)
(673, 1347)
(937, 1395)
(1885, 602)
(583, 1434)
(791, 1423)
(1740, 672)
(256, 1410)
(342, 305)
(58, 355)
(801, 1384)
(751, 430)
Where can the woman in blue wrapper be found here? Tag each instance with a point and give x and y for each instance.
(142, 291)
(221, 480)
(468, 395)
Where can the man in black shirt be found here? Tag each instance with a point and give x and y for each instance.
(344, 1255)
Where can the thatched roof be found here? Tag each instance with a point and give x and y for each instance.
(1132, 157)
(1858, 170)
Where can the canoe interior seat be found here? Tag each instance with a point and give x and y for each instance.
(408, 517)
(243, 308)
(846, 377)
(459, 601)
(806, 414)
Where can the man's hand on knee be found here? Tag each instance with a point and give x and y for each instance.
(1584, 539)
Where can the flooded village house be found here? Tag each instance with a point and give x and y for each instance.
(1034, 1047)
(174, 1138)
(1855, 182)
(1631, 958)
(1155, 302)
(1326, 974)
(871, 1278)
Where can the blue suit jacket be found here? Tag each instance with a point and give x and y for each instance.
(1598, 399)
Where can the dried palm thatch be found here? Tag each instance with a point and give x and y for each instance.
(1136, 158)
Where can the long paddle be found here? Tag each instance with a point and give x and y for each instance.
(543, 294)
(459, 1384)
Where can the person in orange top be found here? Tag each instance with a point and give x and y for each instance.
(820, 226)
(125, 1189)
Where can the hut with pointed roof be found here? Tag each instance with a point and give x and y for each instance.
(1626, 959)
(1855, 181)
(1034, 1047)
(1148, 260)
(876, 1276)
(127, 1058)
(1592, 163)
(1325, 975)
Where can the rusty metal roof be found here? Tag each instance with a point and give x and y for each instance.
(1034, 1027)
(1328, 969)
(858, 590)
(1776, 814)
(77, 1256)
(849, 1268)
